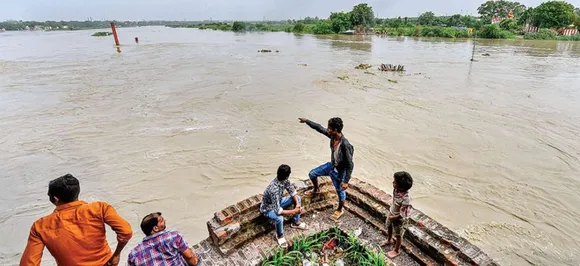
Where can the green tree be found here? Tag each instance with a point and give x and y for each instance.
(500, 9)
(554, 14)
(299, 27)
(526, 17)
(362, 15)
(510, 25)
(428, 19)
(340, 21)
(239, 26)
(454, 21)
(322, 27)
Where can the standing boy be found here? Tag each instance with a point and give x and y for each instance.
(399, 211)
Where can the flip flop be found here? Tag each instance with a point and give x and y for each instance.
(281, 241)
(301, 226)
(336, 215)
(311, 193)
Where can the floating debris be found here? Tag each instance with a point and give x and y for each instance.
(343, 77)
(264, 51)
(303, 64)
(370, 73)
(392, 81)
(392, 68)
(486, 54)
(102, 34)
(363, 66)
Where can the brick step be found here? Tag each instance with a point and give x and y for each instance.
(424, 238)
(407, 246)
(252, 232)
(373, 200)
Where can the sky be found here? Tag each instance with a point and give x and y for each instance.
(42, 10)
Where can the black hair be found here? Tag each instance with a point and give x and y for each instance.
(66, 188)
(336, 124)
(283, 172)
(404, 180)
(149, 221)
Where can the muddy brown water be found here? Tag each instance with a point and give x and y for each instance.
(187, 122)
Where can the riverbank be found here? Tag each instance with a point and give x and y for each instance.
(487, 32)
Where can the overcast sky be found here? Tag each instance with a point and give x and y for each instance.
(224, 9)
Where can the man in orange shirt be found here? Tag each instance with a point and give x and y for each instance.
(75, 232)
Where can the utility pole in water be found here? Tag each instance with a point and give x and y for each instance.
(116, 37)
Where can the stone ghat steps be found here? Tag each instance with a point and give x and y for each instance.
(240, 223)
(261, 229)
(427, 235)
(426, 241)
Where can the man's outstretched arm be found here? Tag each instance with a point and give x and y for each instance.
(315, 126)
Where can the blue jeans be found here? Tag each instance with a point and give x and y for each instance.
(273, 215)
(327, 170)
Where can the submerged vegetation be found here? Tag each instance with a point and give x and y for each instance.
(102, 34)
(333, 247)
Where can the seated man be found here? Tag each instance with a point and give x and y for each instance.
(75, 232)
(161, 247)
(273, 204)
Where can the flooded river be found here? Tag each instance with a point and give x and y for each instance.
(187, 122)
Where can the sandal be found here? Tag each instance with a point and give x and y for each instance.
(311, 193)
(281, 241)
(301, 226)
(336, 215)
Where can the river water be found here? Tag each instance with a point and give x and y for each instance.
(187, 122)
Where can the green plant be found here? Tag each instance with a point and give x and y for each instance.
(299, 27)
(281, 258)
(543, 34)
(322, 27)
(239, 26)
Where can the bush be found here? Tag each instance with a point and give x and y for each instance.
(239, 26)
(299, 27)
(491, 31)
(322, 27)
(543, 34)
(510, 25)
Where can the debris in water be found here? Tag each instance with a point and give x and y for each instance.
(363, 66)
(303, 64)
(486, 54)
(392, 81)
(370, 73)
(392, 68)
(343, 77)
(264, 51)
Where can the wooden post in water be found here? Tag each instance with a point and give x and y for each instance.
(115, 33)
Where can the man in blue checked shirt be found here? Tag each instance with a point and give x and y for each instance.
(161, 247)
(273, 204)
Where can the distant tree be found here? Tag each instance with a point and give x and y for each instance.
(340, 21)
(428, 19)
(500, 9)
(554, 14)
(362, 15)
(454, 21)
(322, 27)
(471, 22)
(526, 17)
(510, 25)
(298, 27)
(239, 26)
